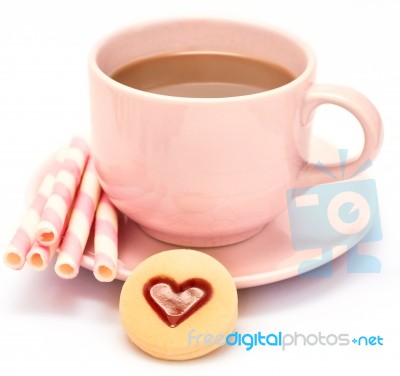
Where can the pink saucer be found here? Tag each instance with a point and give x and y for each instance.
(265, 258)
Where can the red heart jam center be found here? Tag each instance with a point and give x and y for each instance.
(174, 302)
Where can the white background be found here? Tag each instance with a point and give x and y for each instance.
(54, 327)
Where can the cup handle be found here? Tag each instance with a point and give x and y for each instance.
(365, 112)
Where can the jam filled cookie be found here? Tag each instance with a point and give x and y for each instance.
(179, 304)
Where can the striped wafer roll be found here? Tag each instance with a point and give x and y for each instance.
(105, 241)
(68, 178)
(21, 242)
(77, 233)
(39, 257)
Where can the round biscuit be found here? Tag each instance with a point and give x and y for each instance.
(146, 328)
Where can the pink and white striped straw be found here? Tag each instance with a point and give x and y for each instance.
(57, 206)
(105, 241)
(78, 230)
(17, 250)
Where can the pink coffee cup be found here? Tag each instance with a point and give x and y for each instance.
(210, 171)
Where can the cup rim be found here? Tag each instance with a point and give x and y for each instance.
(309, 69)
